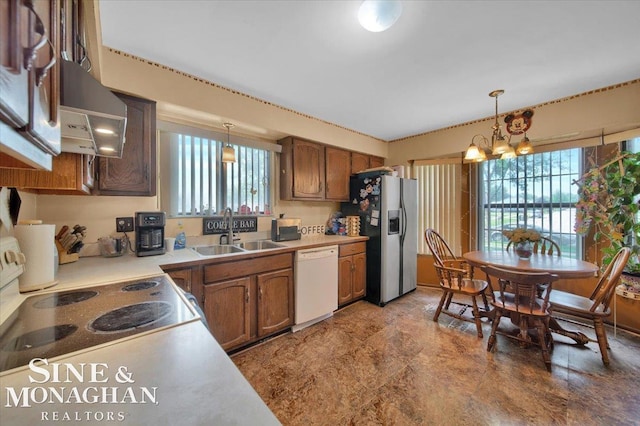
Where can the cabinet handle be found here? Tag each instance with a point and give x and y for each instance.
(41, 72)
(247, 293)
(30, 52)
(260, 293)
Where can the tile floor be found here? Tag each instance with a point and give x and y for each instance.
(394, 366)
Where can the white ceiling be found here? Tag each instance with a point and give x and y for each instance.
(434, 68)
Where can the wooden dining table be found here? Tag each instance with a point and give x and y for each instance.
(564, 267)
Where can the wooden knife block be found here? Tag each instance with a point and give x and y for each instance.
(63, 256)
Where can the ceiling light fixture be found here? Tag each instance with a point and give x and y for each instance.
(379, 15)
(516, 124)
(228, 153)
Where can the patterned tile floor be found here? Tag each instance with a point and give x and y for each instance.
(394, 366)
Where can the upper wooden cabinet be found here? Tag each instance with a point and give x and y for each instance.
(337, 174)
(312, 171)
(70, 174)
(361, 162)
(134, 173)
(302, 166)
(29, 72)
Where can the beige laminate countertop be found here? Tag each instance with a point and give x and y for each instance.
(195, 381)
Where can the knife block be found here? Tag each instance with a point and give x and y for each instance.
(63, 256)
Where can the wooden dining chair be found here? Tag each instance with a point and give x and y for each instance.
(544, 246)
(455, 281)
(515, 296)
(596, 307)
(442, 253)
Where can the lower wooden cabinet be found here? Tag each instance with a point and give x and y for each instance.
(247, 300)
(352, 273)
(228, 309)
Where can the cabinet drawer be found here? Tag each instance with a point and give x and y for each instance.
(243, 268)
(349, 249)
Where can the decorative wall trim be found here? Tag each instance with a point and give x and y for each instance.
(235, 92)
(557, 101)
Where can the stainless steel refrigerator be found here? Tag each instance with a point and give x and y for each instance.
(388, 211)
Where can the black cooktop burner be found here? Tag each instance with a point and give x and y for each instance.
(41, 337)
(142, 285)
(131, 316)
(66, 298)
(107, 314)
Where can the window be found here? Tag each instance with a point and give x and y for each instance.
(439, 201)
(533, 191)
(195, 182)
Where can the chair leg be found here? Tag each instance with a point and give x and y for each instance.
(449, 297)
(601, 335)
(486, 302)
(476, 316)
(494, 327)
(544, 343)
(444, 296)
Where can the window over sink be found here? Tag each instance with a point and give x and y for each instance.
(195, 182)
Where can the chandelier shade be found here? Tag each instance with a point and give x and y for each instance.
(228, 152)
(501, 145)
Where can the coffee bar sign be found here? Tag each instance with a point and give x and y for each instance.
(218, 224)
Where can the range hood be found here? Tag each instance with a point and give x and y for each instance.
(93, 120)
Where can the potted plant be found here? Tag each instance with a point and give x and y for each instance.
(609, 200)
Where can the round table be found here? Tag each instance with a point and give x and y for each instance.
(564, 267)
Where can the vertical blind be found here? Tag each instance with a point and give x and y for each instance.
(439, 203)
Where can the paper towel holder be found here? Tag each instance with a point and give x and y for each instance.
(24, 285)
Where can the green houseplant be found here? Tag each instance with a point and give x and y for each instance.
(609, 201)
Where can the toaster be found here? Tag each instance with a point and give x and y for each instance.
(285, 229)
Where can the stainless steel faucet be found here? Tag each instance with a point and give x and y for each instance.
(229, 219)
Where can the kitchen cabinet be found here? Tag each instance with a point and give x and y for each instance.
(227, 307)
(70, 174)
(182, 278)
(302, 166)
(29, 73)
(352, 272)
(338, 163)
(312, 171)
(361, 162)
(248, 299)
(135, 173)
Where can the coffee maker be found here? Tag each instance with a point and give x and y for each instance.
(150, 233)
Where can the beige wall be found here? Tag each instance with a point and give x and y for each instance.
(607, 111)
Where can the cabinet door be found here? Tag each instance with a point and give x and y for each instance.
(345, 272)
(135, 172)
(359, 277)
(275, 301)
(43, 127)
(227, 307)
(182, 278)
(308, 170)
(338, 167)
(376, 162)
(14, 85)
(359, 162)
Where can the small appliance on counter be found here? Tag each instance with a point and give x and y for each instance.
(150, 233)
(285, 229)
(35, 241)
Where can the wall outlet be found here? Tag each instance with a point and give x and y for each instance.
(124, 224)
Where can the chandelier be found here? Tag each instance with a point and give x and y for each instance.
(500, 145)
(228, 153)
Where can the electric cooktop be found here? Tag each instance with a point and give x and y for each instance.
(59, 323)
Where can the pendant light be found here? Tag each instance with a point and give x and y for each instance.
(499, 145)
(228, 153)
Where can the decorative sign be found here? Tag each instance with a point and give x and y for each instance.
(218, 225)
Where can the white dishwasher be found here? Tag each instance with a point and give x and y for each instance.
(316, 285)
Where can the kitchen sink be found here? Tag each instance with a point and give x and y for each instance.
(259, 245)
(217, 250)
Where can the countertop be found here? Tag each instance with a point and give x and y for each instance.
(192, 379)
